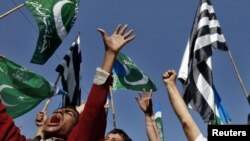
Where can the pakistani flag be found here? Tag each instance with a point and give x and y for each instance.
(55, 19)
(20, 89)
(128, 76)
(159, 124)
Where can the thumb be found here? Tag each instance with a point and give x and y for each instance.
(102, 31)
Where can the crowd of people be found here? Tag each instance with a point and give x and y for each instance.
(88, 121)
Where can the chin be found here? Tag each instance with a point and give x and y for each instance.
(52, 130)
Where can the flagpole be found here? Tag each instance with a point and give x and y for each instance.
(238, 74)
(112, 106)
(12, 10)
(49, 99)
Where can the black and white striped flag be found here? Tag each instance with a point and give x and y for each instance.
(70, 70)
(196, 72)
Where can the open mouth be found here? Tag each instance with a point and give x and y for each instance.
(55, 120)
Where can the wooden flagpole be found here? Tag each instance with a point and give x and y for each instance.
(10, 11)
(112, 106)
(48, 100)
(238, 74)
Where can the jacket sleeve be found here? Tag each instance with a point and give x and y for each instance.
(92, 122)
(8, 130)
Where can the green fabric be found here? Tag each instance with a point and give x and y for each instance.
(159, 125)
(128, 76)
(55, 18)
(20, 89)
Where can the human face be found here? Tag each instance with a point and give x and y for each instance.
(60, 123)
(114, 137)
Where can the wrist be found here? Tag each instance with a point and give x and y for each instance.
(148, 114)
(149, 120)
(109, 59)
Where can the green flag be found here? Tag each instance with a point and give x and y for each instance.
(128, 76)
(159, 124)
(20, 89)
(55, 19)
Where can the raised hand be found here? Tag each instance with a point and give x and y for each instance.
(169, 77)
(144, 100)
(113, 44)
(118, 39)
(41, 118)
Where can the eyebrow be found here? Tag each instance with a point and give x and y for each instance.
(71, 110)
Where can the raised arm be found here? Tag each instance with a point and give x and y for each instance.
(145, 102)
(189, 126)
(92, 123)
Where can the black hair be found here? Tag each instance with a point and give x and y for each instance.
(248, 117)
(74, 109)
(120, 132)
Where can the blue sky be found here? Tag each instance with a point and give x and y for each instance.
(162, 28)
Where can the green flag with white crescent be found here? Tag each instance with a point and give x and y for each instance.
(20, 89)
(127, 75)
(159, 124)
(55, 19)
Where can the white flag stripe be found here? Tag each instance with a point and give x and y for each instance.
(204, 88)
(217, 37)
(206, 22)
(205, 6)
(183, 71)
(207, 40)
(158, 114)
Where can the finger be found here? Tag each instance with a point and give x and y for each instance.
(103, 32)
(145, 93)
(130, 38)
(150, 93)
(128, 34)
(117, 29)
(165, 75)
(141, 95)
(123, 29)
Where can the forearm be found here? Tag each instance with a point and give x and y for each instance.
(177, 102)
(40, 132)
(151, 128)
(109, 59)
(189, 126)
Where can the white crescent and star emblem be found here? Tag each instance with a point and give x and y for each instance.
(61, 31)
(3, 86)
(142, 81)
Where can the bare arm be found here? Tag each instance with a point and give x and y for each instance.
(145, 102)
(189, 126)
(93, 110)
